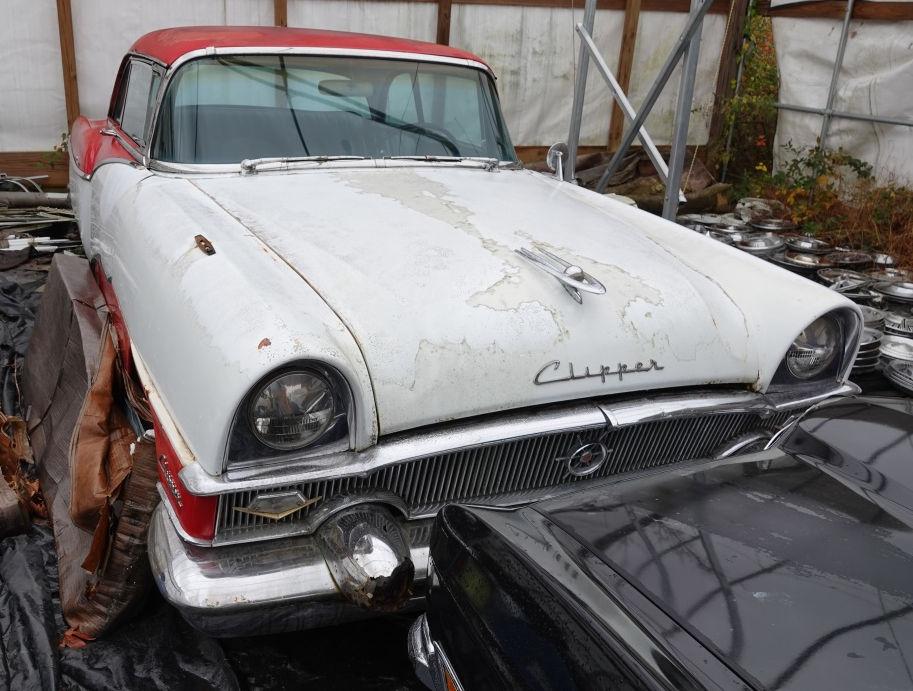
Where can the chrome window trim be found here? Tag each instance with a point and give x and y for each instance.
(496, 428)
(278, 50)
(138, 150)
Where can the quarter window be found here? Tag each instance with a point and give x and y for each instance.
(139, 98)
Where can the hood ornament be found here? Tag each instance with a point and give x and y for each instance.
(574, 279)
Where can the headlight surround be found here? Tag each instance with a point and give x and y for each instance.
(815, 348)
(293, 410)
(822, 352)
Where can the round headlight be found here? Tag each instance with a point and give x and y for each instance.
(293, 410)
(814, 349)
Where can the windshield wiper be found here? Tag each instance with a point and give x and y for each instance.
(250, 165)
(490, 163)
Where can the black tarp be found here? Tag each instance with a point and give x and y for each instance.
(158, 650)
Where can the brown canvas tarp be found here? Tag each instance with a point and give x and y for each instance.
(85, 451)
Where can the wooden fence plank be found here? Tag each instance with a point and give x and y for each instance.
(280, 12)
(625, 65)
(729, 58)
(835, 9)
(54, 164)
(68, 59)
(443, 22)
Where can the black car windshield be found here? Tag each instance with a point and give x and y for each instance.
(225, 109)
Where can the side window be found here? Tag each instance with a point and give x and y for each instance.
(138, 100)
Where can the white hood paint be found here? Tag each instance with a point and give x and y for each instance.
(419, 265)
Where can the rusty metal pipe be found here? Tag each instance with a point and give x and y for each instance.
(25, 200)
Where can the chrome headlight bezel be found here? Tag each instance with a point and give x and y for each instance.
(246, 447)
(847, 332)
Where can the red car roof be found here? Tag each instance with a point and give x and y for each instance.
(167, 45)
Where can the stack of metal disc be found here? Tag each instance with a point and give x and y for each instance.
(896, 293)
(900, 373)
(761, 244)
(889, 274)
(846, 259)
(802, 263)
(808, 245)
(852, 284)
(883, 261)
(774, 225)
(702, 223)
(730, 229)
(896, 348)
(899, 322)
(874, 318)
(869, 351)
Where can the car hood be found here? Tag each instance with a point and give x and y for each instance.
(419, 263)
(796, 571)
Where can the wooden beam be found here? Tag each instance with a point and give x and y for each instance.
(68, 60)
(836, 9)
(625, 65)
(729, 60)
(280, 12)
(54, 164)
(443, 22)
(718, 7)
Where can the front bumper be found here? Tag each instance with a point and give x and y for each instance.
(265, 587)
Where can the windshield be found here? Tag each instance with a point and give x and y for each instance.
(227, 109)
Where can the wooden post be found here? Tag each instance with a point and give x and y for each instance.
(68, 60)
(625, 65)
(725, 78)
(443, 22)
(280, 12)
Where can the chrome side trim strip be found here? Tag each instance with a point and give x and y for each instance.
(498, 428)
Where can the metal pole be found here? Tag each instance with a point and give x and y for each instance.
(900, 122)
(838, 64)
(694, 22)
(625, 105)
(682, 120)
(583, 63)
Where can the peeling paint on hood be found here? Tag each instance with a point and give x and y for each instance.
(420, 265)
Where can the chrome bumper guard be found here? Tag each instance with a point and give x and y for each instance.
(272, 587)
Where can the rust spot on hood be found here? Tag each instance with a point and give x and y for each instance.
(264, 343)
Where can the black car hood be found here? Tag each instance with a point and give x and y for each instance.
(799, 574)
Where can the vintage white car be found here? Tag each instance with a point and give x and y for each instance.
(349, 305)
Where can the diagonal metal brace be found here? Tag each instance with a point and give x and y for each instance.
(626, 106)
(695, 22)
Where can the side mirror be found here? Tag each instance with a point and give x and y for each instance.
(555, 158)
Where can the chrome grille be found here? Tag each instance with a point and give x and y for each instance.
(524, 465)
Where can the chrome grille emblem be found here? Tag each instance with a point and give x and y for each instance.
(587, 459)
(574, 279)
(275, 506)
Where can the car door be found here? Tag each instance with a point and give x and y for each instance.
(122, 141)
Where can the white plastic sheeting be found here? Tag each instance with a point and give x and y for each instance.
(415, 20)
(32, 108)
(532, 49)
(876, 79)
(103, 32)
